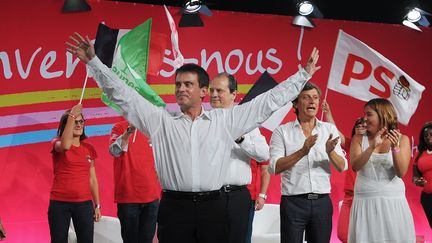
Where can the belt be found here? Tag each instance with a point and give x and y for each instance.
(231, 188)
(309, 196)
(194, 196)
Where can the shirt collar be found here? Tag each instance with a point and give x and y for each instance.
(204, 114)
(317, 122)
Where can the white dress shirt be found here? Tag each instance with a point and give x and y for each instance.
(254, 146)
(311, 174)
(193, 155)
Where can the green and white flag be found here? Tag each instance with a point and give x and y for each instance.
(127, 53)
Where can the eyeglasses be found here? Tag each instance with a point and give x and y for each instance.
(360, 126)
(81, 122)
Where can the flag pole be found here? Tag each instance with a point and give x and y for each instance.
(325, 98)
(83, 89)
(135, 133)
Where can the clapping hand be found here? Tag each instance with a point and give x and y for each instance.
(81, 47)
(394, 136)
(309, 143)
(331, 143)
(378, 139)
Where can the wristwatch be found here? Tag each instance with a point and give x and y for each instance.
(263, 196)
(240, 140)
(130, 129)
(97, 206)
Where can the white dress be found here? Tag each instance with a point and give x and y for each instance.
(380, 211)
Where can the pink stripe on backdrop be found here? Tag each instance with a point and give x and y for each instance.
(27, 119)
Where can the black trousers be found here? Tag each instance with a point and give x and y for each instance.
(238, 203)
(426, 202)
(59, 217)
(138, 221)
(299, 214)
(192, 218)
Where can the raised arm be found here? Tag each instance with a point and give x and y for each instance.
(66, 139)
(329, 118)
(132, 105)
(243, 118)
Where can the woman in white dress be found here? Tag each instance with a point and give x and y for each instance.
(380, 211)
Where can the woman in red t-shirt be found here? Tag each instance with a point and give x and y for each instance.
(75, 186)
(422, 174)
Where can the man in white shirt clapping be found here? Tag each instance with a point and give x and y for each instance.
(302, 151)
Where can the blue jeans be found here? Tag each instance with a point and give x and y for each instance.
(59, 217)
(138, 221)
(251, 217)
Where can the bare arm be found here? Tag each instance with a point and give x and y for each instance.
(2, 231)
(401, 152)
(94, 186)
(329, 118)
(265, 182)
(359, 158)
(67, 137)
(337, 160)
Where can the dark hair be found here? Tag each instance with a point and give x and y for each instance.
(386, 113)
(357, 122)
(203, 77)
(308, 86)
(62, 125)
(422, 146)
(232, 82)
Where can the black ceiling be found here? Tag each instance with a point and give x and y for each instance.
(378, 11)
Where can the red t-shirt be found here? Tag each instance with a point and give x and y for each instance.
(135, 179)
(350, 175)
(255, 186)
(72, 173)
(424, 164)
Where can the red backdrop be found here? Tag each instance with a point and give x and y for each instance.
(39, 80)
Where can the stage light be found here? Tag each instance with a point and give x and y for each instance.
(75, 6)
(413, 15)
(306, 9)
(411, 25)
(304, 21)
(416, 17)
(190, 13)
